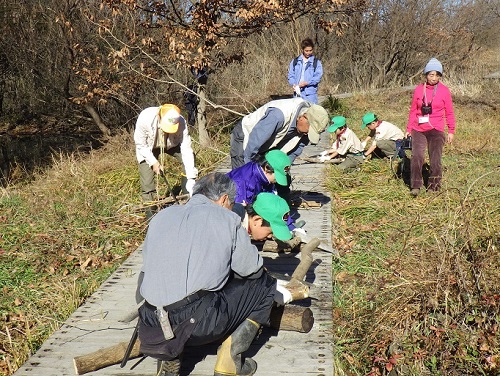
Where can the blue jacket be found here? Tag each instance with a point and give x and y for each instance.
(311, 76)
(250, 181)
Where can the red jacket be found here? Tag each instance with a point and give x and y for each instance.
(442, 109)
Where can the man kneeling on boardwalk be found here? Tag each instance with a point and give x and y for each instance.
(203, 281)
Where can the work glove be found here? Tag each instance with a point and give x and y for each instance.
(189, 186)
(324, 158)
(282, 296)
(363, 144)
(299, 231)
(296, 88)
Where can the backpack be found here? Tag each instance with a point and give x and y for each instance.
(315, 63)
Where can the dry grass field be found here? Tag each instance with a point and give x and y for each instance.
(417, 289)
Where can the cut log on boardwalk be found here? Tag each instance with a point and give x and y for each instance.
(104, 357)
(288, 246)
(296, 285)
(306, 259)
(292, 318)
(288, 318)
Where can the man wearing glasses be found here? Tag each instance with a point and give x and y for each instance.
(203, 280)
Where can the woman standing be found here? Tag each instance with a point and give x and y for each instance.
(431, 109)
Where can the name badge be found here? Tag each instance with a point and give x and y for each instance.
(423, 119)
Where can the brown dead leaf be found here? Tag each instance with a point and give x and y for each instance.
(85, 264)
(17, 302)
(341, 276)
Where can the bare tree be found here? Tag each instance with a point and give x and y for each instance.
(388, 42)
(151, 39)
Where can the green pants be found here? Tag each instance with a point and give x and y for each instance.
(350, 162)
(385, 148)
(147, 176)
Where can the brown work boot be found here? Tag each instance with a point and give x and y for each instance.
(229, 362)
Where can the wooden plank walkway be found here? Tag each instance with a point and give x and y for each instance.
(97, 323)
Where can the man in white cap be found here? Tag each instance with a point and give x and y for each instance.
(284, 124)
(162, 130)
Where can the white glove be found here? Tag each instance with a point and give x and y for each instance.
(323, 153)
(299, 231)
(193, 174)
(297, 90)
(363, 144)
(324, 158)
(282, 296)
(189, 186)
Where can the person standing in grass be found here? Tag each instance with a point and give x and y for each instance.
(305, 72)
(431, 110)
(346, 145)
(387, 137)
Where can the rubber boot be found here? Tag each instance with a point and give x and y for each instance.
(229, 353)
(168, 367)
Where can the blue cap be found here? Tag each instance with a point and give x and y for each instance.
(433, 65)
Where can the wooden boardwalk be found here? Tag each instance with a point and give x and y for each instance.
(99, 322)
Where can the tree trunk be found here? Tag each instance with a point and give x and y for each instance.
(202, 118)
(97, 119)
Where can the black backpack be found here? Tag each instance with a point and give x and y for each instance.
(315, 63)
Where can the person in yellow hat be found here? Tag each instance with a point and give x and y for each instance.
(157, 130)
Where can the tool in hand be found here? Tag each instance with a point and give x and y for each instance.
(168, 187)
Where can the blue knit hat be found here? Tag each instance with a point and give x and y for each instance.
(433, 65)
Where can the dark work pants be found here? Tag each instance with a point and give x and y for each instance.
(147, 176)
(236, 149)
(434, 141)
(238, 300)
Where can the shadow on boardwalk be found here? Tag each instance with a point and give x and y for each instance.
(98, 323)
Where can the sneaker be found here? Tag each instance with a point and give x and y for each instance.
(300, 223)
(415, 191)
(168, 367)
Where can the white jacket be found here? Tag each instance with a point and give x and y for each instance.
(146, 133)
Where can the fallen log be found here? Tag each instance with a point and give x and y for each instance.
(280, 246)
(306, 259)
(316, 160)
(105, 357)
(296, 285)
(288, 318)
(292, 318)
